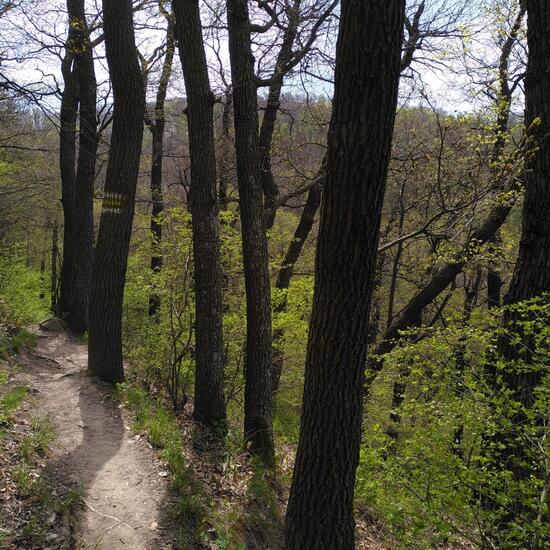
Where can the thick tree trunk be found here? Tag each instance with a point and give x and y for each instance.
(78, 200)
(320, 508)
(531, 276)
(258, 395)
(115, 227)
(67, 158)
(209, 406)
(157, 157)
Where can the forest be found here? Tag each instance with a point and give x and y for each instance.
(275, 274)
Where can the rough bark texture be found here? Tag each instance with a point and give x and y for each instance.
(320, 508)
(532, 272)
(67, 157)
(111, 252)
(77, 186)
(531, 276)
(157, 157)
(209, 405)
(54, 283)
(258, 396)
(494, 280)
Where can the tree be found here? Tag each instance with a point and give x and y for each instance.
(531, 277)
(320, 508)
(505, 184)
(209, 406)
(258, 396)
(113, 239)
(156, 125)
(77, 185)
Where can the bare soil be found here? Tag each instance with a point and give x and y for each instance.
(119, 476)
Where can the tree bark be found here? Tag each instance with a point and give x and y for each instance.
(209, 405)
(67, 158)
(494, 280)
(115, 227)
(54, 283)
(258, 395)
(77, 194)
(320, 508)
(531, 276)
(157, 157)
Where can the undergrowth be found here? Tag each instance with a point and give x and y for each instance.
(198, 518)
(32, 505)
(189, 513)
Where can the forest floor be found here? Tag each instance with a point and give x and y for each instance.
(78, 469)
(118, 479)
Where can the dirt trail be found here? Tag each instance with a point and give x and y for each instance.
(123, 494)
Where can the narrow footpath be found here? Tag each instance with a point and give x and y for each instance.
(117, 473)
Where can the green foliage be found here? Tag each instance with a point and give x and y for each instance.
(190, 509)
(441, 478)
(24, 340)
(44, 503)
(160, 351)
(35, 443)
(10, 401)
(20, 288)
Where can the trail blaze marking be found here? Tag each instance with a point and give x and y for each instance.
(113, 202)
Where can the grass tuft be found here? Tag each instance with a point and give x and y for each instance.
(189, 514)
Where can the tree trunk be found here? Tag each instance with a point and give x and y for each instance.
(78, 203)
(67, 158)
(494, 280)
(225, 148)
(115, 227)
(287, 269)
(54, 283)
(531, 276)
(209, 406)
(270, 189)
(258, 395)
(320, 508)
(157, 157)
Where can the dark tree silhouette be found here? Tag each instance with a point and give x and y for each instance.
(77, 185)
(156, 125)
(258, 396)
(320, 508)
(531, 276)
(209, 406)
(113, 240)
